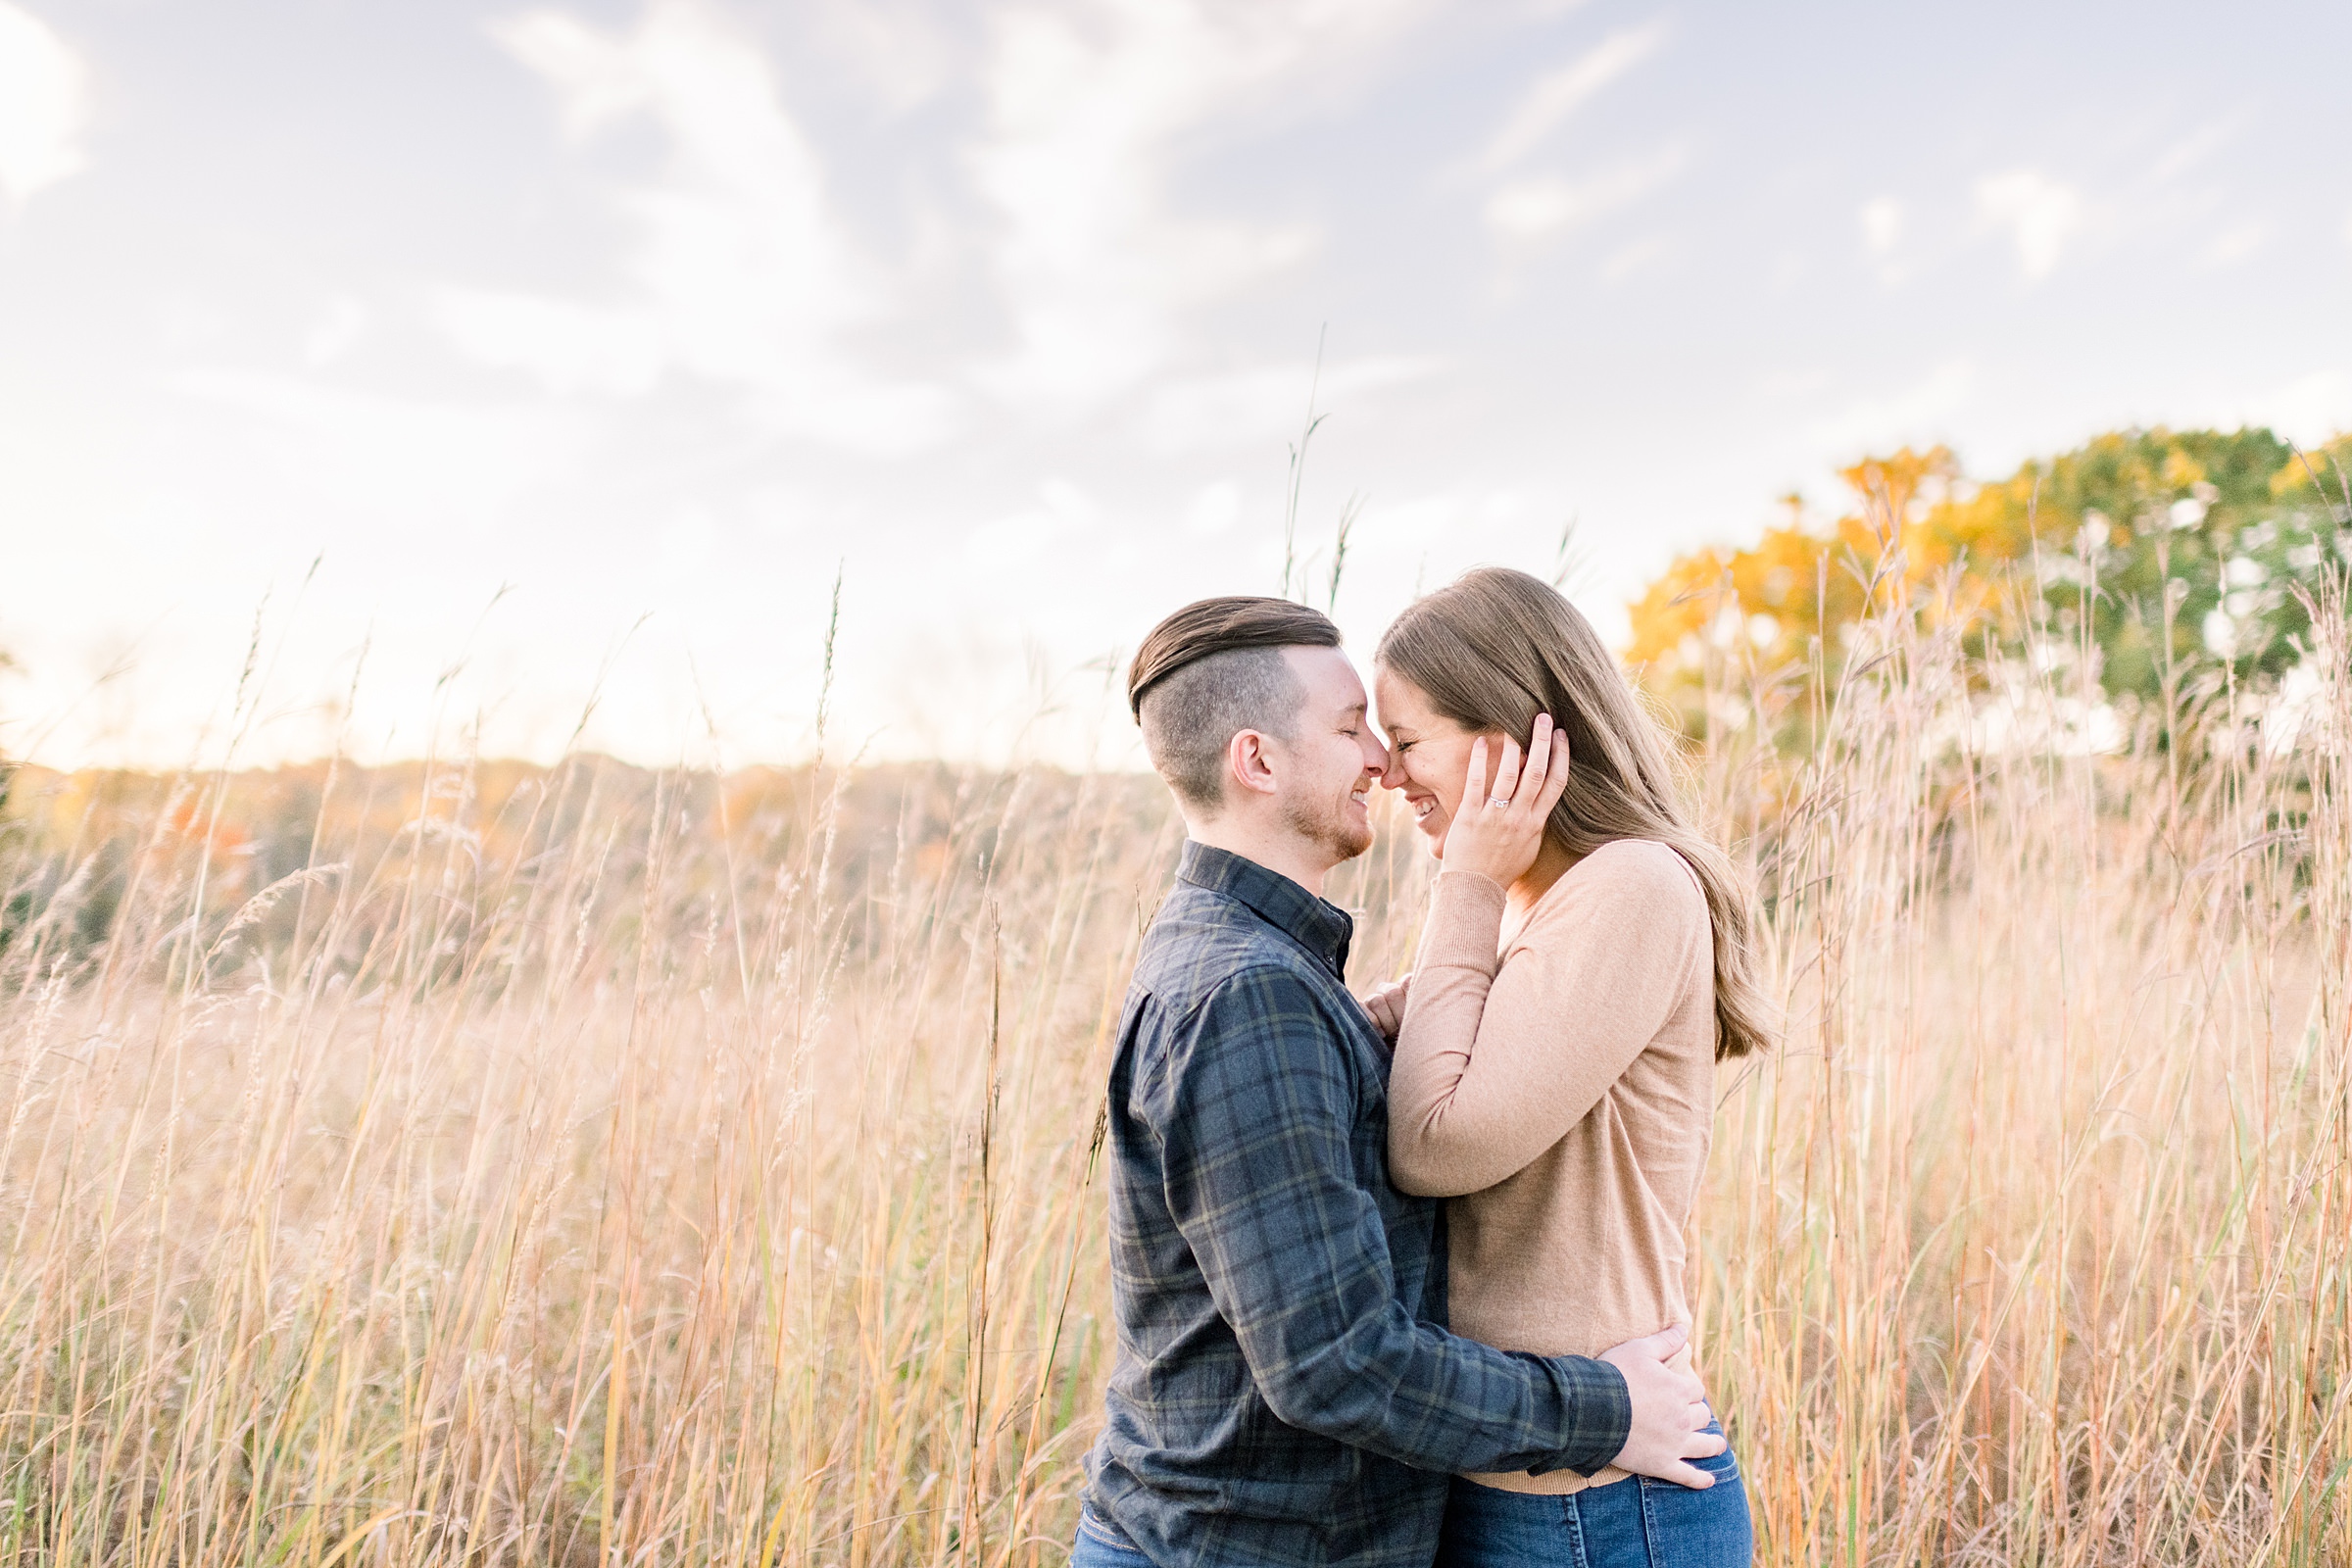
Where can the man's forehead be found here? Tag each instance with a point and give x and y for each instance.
(1329, 675)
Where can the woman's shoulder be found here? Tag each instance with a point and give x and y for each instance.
(1642, 873)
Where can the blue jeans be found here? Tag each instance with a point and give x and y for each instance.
(1632, 1523)
(1102, 1545)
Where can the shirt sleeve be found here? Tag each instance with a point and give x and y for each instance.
(1499, 1058)
(1260, 1179)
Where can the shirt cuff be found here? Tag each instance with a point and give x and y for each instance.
(1600, 1415)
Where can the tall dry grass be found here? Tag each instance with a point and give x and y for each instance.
(592, 1166)
(2032, 1245)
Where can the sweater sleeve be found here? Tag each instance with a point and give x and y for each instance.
(1259, 1180)
(1499, 1056)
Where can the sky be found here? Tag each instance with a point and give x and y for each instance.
(445, 377)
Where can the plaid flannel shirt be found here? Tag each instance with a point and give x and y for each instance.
(1283, 1392)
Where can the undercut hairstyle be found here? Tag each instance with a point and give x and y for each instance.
(1211, 671)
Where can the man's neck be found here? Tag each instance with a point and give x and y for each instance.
(1284, 853)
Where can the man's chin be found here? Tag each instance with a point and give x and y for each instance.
(1337, 836)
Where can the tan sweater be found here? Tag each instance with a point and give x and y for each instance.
(1555, 1076)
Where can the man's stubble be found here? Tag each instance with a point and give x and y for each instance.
(1325, 825)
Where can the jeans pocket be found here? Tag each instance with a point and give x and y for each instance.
(1724, 1466)
(1107, 1538)
(1692, 1527)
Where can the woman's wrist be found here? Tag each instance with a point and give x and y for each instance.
(1465, 920)
(1472, 876)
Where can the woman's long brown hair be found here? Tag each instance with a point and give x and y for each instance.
(1498, 647)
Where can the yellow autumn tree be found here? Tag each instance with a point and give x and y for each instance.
(2174, 553)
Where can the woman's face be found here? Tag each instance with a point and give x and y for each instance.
(1428, 753)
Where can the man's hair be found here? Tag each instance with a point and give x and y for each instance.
(1211, 671)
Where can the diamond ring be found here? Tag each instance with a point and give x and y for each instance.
(1497, 800)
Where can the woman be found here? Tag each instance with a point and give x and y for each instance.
(1586, 961)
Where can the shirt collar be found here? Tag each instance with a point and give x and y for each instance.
(1322, 928)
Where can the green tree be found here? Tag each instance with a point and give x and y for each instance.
(2184, 549)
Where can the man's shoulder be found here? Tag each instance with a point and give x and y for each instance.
(1225, 1017)
(1202, 943)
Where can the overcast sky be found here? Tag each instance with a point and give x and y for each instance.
(653, 315)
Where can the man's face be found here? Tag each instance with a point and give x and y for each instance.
(1328, 767)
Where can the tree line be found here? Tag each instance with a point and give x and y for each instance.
(2161, 563)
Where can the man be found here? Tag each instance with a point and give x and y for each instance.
(1283, 1393)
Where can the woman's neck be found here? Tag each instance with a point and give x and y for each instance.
(1551, 863)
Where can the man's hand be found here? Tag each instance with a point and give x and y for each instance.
(1386, 1005)
(1668, 1411)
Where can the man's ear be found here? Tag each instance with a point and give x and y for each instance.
(1249, 762)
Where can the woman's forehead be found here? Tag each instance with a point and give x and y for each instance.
(1399, 700)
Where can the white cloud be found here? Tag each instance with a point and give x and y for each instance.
(2237, 243)
(1882, 222)
(1630, 260)
(1083, 112)
(1063, 513)
(340, 325)
(1557, 95)
(1250, 408)
(44, 105)
(2309, 411)
(395, 460)
(571, 348)
(1217, 508)
(903, 55)
(2040, 213)
(1536, 208)
(1917, 413)
(2197, 148)
(742, 274)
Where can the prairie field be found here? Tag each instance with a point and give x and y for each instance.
(466, 1162)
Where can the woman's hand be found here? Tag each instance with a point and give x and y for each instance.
(1386, 1005)
(1498, 829)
